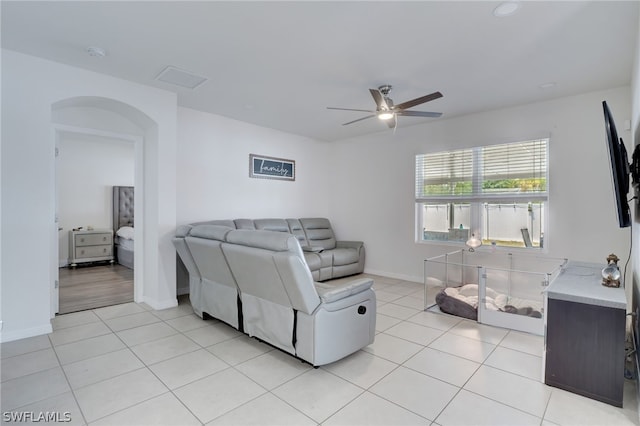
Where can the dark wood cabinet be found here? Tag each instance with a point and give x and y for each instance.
(585, 330)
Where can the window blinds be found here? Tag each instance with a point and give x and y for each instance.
(509, 172)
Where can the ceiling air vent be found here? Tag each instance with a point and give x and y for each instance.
(182, 78)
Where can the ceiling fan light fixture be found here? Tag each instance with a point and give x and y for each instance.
(385, 115)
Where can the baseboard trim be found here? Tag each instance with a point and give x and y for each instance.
(9, 336)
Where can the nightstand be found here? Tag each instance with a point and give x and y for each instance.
(90, 246)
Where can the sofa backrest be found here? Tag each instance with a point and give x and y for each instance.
(277, 225)
(271, 265)
(319, 232)
(205, 245)
(295, 227)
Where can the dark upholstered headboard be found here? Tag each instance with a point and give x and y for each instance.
(122, 207)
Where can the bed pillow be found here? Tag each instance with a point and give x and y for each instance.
(125, 232)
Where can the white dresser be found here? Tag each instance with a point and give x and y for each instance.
(90, 246)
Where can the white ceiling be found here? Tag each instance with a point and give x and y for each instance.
(280, 64)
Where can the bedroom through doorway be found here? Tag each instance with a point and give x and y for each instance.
(88, 167)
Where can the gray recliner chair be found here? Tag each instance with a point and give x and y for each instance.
(280, 302)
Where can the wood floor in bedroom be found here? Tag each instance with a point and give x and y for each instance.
(90, 287)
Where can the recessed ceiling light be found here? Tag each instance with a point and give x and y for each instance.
(548, 85)
(96, 51)
(506, 9)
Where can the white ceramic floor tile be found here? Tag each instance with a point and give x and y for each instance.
(415, 333)
(318, 394)
(164, 348)
(239, 349)
(187, 368)
(114, 311)
(464, 347)
(524, 342)
(384, 322)
(163, 410)
(64, 406)
(516, 362)
(88, 348)
(264, 410)
(446, 367)
(146, 333)
(32, 388)
(415, 392)
(175, 312)
(397, 311)
(403, 289)
(386, 296)
(79, 332)
(188, 322)
(31, 362)
(23, 346)
(131, 321)
(73, 319)
(102, 367)
(519, 392)
(109, 396)
(393, 348)
(440, 321)
(570, 409)
(371, 410)
(216, 395)
(272, 368)
(361, 368)
(474, 410)
(474, 330)
(215, 333)
(411, 301)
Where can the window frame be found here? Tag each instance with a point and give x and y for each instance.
(477, 200)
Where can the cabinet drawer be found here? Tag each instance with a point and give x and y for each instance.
(93, 239)
(93, 251)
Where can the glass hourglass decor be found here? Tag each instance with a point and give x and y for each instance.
(611, 273)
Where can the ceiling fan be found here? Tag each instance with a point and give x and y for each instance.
(388, 112)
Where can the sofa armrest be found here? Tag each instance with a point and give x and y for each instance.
(350, 244)
(330, 293)
(312, 249)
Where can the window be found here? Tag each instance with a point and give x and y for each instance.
(498, 193)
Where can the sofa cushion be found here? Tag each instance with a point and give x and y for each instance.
(319, 233)
(278, 225)
(244, 224)
(211, 232)
(313, 261)
(268, 240)
(344, 256)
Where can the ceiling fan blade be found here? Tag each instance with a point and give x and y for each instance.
(359, 119)
(419, 114)
(380, 102)
(418, 101)
(350, 109)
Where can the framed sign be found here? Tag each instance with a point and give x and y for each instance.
(271, 168)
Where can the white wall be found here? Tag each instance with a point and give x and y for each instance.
(213, 171)
(87, 168)
(372, 194)
(30, 87)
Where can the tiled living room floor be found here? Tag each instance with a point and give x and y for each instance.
(127, 364)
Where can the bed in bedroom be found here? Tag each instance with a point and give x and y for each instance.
(123, 210)
(499, 288)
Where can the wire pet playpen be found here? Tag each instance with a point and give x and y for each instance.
(504, 290)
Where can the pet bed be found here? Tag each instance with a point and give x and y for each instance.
(463, 302)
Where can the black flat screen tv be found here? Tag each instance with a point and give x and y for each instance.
(619, 168)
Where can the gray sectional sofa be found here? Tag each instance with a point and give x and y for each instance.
(327, 258)
(259, 282)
